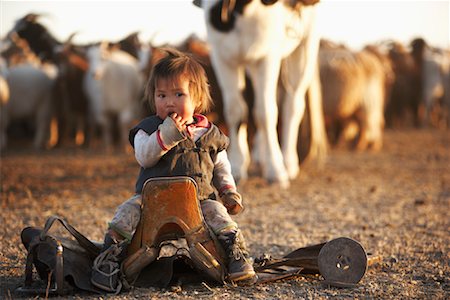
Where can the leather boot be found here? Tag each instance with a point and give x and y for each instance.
(239, 266)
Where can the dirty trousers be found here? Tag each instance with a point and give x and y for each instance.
(128, 214)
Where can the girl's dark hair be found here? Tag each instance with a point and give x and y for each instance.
(176, 64)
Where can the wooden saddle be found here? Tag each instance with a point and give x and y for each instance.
(171, 211)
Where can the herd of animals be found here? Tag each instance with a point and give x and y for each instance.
(264, 95)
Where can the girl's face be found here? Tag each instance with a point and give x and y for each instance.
(172, 96)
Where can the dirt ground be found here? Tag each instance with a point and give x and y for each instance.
(395, 202)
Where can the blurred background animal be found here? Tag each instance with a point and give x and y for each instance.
(354, 93)
(434, 71)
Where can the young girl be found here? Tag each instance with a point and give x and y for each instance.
(179, 141)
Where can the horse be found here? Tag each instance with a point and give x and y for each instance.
(271, 40)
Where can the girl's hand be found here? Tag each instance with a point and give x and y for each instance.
(171, 132)
(179, 122)
(232, 202)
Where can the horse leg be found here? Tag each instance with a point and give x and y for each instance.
(300, 73)
(264, 75)
(293, 110)
(231, 79)
(319, 141)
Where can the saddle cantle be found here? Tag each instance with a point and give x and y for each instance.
(170, 211)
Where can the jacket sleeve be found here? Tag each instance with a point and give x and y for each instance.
(223, 179)
(147, 150)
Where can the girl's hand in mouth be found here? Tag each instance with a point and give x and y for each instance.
(178, 120)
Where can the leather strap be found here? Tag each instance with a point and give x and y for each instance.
(93, 250)
(29, 263)
(59, 268)
(227, 10)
